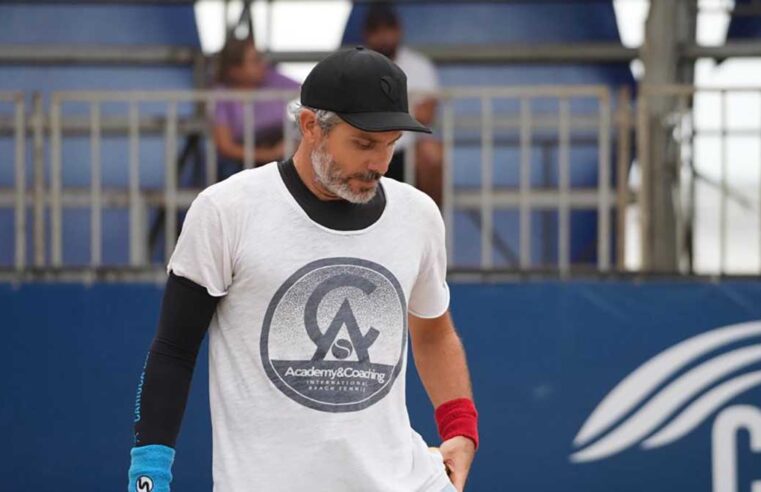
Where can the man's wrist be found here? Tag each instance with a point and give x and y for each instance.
(150, 468)
(458, 417)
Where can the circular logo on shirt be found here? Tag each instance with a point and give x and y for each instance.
(335, 333)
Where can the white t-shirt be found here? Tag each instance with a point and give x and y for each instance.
(307, 348)
(421, 80)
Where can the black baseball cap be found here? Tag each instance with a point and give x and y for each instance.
(364, 88)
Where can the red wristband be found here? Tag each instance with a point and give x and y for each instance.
(458, 418)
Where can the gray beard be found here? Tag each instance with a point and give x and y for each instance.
(329, 176)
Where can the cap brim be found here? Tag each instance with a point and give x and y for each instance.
(384, 122)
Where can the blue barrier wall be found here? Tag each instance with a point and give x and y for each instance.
(542, 356)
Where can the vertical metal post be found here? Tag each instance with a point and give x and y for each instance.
(449, 195)
(669, 26)
(564, 182)
(248, 134)
(40, 196)
(170, 191)
(603, 195)
(95, 187)
(546, 150)
(525, 185)
(643, 158)
(487, 163)
(683, 213)
(226, 28)
(270, 25)
(136, 240)
(199, 70)
(723, 190)
(622, 174)
(211, 145)
(20, 162)
(692, 190)
(56, 212)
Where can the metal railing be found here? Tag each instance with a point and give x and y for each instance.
(173, 127)
(163, 118)
(553, 120)
(16, 120)
(563, 199)
(696, 117)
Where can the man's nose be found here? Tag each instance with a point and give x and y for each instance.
(380, 162)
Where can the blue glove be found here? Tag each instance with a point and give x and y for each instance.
(151, 468)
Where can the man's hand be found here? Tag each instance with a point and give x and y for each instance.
(458, 454)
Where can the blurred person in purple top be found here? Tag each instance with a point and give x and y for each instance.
(242, 67)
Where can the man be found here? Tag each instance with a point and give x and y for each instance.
(312, 272)
(383, 33)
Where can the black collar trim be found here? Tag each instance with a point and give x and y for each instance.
(340, 215)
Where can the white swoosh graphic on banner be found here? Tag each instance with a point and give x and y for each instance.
(704, 406)
(667, 401)
(633, 389)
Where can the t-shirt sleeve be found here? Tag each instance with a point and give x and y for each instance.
(203, 253)
(430, 78)
(422, 76)
(430, 294)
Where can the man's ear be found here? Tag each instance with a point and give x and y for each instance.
(310, 130)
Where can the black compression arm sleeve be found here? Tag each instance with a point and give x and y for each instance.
(186, 311)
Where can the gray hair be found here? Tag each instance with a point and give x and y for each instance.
(326, 120)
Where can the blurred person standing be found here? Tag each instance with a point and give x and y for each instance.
(242, 67)
(383, 33)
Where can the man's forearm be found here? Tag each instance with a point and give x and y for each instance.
(440, 360)
(425, 111)
(441, 363)
(186, 310)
